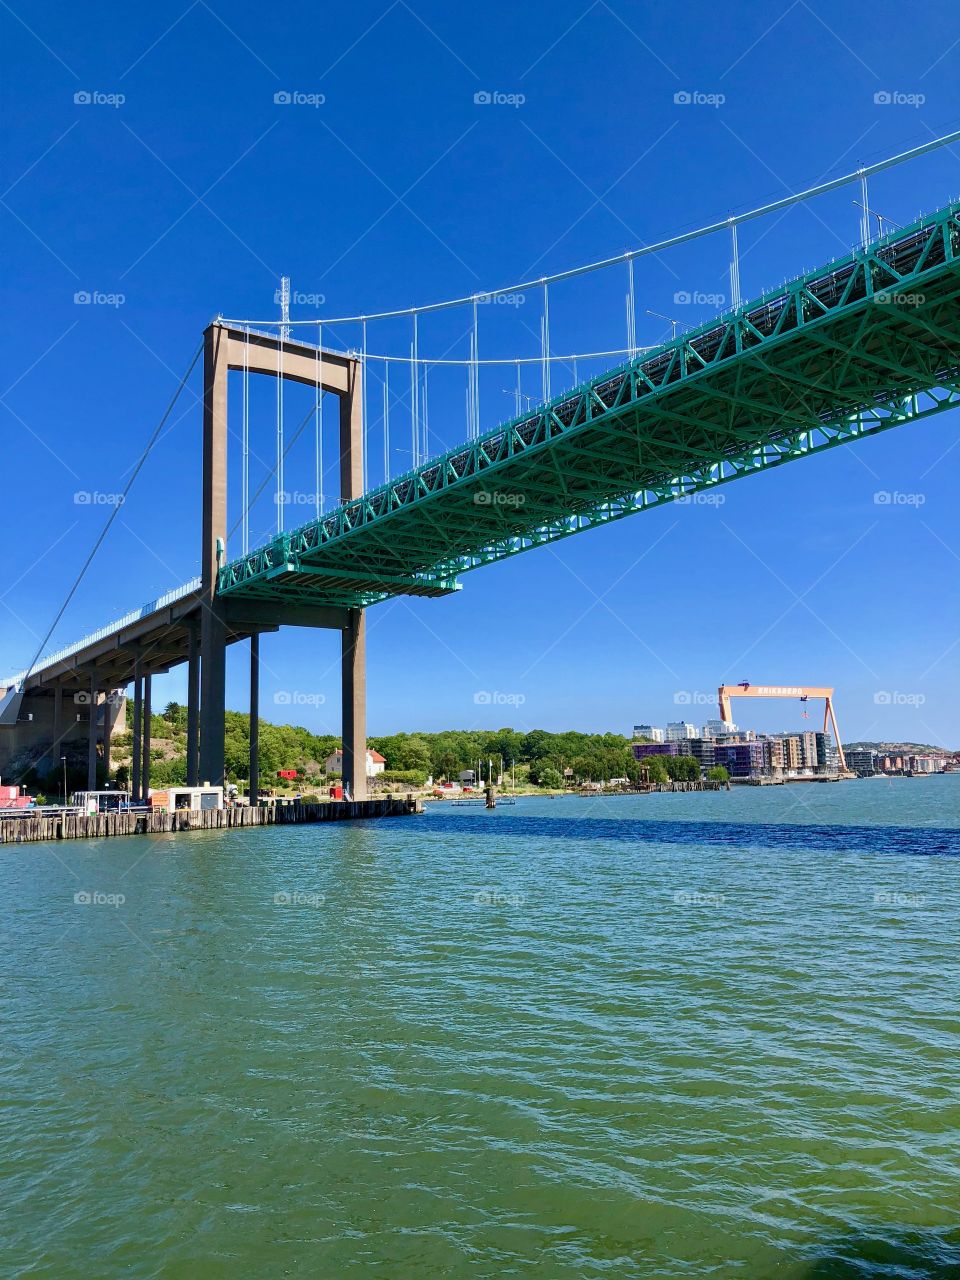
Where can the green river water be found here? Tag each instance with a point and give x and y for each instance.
(710, 1035)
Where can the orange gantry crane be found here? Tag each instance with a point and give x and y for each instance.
(747, 690)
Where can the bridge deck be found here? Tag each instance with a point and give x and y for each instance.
(159, 633)
(159, 626)
(871, 342)
(866, 344)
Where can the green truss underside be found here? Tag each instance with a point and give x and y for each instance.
(867, 344)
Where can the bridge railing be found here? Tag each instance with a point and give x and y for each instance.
(102, 633)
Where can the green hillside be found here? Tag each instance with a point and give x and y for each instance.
(591, 756)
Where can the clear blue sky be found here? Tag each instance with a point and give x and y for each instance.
(198, 191)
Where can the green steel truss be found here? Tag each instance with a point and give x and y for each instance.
(868, 343)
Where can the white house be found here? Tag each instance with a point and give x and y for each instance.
(375, 763)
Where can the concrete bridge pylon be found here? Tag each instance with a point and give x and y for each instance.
(228, 348)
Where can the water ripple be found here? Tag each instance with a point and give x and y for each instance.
(555, 1042)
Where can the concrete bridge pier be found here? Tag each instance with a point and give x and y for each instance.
(213, 678)
(136, 733)
(52, 757)
(231, 618)
(213, 634)
(353, 671)
(254, 790)
(193, 703)
(147, 713)
(92, 736)
(353, 645)
(107, 731)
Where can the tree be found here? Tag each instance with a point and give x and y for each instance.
(585, 768)
(405, 751)
(718, 774)
(172, 772)
(657, 769)
(506, 743)
(416, 755)
(536, 744)
(176, 714)
(550, 778)
(447, 765)
(682, 768)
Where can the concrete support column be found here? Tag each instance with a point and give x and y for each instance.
(213, 646)
(108, 707)
(147, 712)
(193, 706)
(56, 751)
(354, 636)
(136, 732)
(354, 704)
(351, 436)
(213, 693)
(254, 791)
(92, 736)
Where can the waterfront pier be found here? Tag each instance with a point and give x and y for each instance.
(32, 827)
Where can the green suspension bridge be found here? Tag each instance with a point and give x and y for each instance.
(869, 342)
(834, 356)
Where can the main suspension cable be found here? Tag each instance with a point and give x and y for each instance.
(783, 202)
(115, 511)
